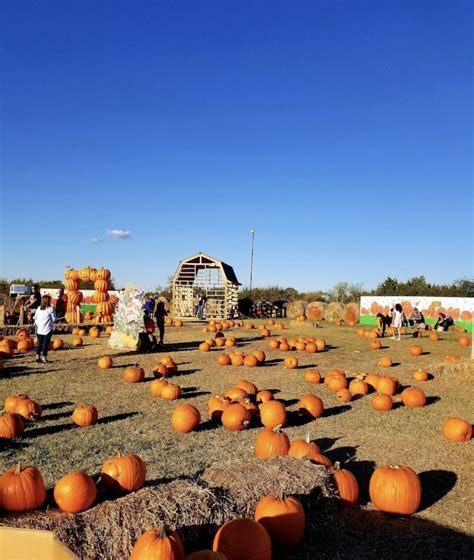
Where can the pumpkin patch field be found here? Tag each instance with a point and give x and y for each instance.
(309, 442)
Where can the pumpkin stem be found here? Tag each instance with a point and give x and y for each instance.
(308, 437)
(277, 429)
(337, 466)
(281, 493)
(162, 532)
(18, 469)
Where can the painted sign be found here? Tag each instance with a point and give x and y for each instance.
(460, 309)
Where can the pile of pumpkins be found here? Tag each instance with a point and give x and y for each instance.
(308, 344)
(218, 341)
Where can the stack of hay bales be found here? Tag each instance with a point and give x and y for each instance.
(334, 312)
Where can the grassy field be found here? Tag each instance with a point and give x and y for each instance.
(131, 419)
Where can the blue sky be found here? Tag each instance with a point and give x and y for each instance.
(341, 131)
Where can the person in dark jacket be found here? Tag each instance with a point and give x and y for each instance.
(160, 314)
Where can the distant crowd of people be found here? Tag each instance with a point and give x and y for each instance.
(397, 319)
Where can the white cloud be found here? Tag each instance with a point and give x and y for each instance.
(119, 233)
(95, 240)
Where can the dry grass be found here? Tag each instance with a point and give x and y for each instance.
(131, 419)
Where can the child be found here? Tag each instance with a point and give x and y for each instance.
(44, 320)
(397, 321)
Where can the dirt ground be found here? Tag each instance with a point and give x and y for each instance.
(131, 419)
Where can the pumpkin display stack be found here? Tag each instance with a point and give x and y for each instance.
(74, 296)
(104, 309)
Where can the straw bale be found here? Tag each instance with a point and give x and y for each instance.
(295, 308)
(334, 311)
(315, 310)
(463, 370)
(193, 507)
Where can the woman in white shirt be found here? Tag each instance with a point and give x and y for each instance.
(44, 320)
(397, 321)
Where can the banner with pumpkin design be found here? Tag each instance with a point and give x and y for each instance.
(460, 309)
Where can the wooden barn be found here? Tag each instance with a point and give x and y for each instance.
(204, 275)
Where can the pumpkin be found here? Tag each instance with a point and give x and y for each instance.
(105, 362)
(311, 406)
(237, 359)
(101, 285)
(372, 380)
(157, 386)
(273, 344)
(158, 544)
(395, 489)
(434, 336)
(22, 334)
(71, 274)
(235, 417)
(71, 285)
(311, 347)
(346, 484)
(284, 347)
(161, 370)
(236, 393)
(260, 355)
(250, 361)
(416, 350)
(321, 344)
(464, 341)
(382, 402)
(124, 473)
(283, 518)
(220, 341)
(58, 343)
(386, 385)
(106, 308)
(265, 332)
(102, 274)
(247, 386)
(358, 387)
(185, 418)
(320, 459)
(73, 300)
(84, 415)
(303, 448)
(100, 297)
(273, 414)
(22, 489)
(216, 406)
(376, 345)
(291, 362)
(10, 403)
(75, 492)
(23, 345)
(29, 409)
(264, 396)
(312, 376)
(457, 429)
(230, 342)
(385, 361)
(420, 375)
(223, 360)
(243, 539)
(344, 395)
(272, 443)
(171, 392)
(413, 397)
(204, 347)
(77, 341)
(133, 374)
(11, 425)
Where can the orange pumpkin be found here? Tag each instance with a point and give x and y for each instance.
(158, 543)
(223, 360)
(273, 414)
(416, 350)
(243, 539)
(27, 408)
(260, 355)
(11, 426)
(250, 361)
(216, 406)
(84, 415)
(105, 362)
(185, 418)
(464, 341)
(395, 489)
(312, 376)
(413, 397)
(22, 489)
(344, 395)
(75, 492)
(272, 443)
(235, 417)
(264, 396)
(247, 386)
(311, 406)
(204, 347)
(303, 448)
(376, 345)
(346, 484)
(133, 374)
(434, 336)
(283, 518)
(420, 375)
(386, 385)
(457, 429)
(358, 387)
(382, 402)
(157, 386)
(291, 362)
(385, 361)
(124, 473)
(170, 392)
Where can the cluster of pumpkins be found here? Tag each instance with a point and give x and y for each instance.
(308, 344)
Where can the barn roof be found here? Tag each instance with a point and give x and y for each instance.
(229, 272)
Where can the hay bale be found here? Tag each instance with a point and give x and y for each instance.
(351, 312)
(463, 370)
(295, 308)
(195, 508)
(315, 310)
(334, 311)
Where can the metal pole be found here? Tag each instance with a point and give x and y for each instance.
(252, 231)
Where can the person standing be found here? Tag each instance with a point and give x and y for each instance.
(33, 302)
(160, 314)
(61, 305)
(44, 321)
(397, 320)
